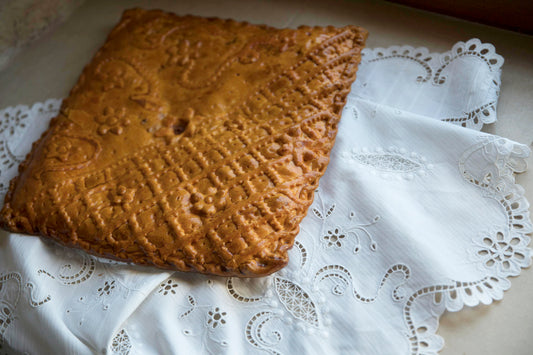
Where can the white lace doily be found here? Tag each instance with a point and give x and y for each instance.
(413, 217)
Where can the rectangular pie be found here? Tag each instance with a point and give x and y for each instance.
(189, 143)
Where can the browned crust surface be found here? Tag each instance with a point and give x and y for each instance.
(189, 143)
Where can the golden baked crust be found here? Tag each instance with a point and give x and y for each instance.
(190, 143)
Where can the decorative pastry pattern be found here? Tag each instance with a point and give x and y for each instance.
(158, 160)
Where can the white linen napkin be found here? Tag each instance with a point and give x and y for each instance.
(413, 216)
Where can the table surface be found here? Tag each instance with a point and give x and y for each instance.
(50, 67)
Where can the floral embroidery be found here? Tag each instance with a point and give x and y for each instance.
(388, 162)
(214, 320)
(121, 344)
(107, 289)
(324, 216)
(357, 228)
(216, 317)
(502, 251)
(302, 252)
(333, 238)
(81, 269)
(168, 287)
(11, 121)
(303, 305)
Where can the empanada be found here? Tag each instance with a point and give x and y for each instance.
(190, 143)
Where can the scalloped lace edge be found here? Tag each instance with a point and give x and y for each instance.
(18, 113)
(435, 62)
(455, 295)
(51, 104)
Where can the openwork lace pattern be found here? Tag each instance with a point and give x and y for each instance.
(500, 253)
(434, 71)
(16, 136)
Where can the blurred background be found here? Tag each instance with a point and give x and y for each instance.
(24, 21)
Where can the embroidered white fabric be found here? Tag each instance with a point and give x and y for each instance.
(413, 217)
(460, 86)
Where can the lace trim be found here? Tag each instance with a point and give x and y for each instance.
(499, 252)
(434, 67)
(14, 124)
